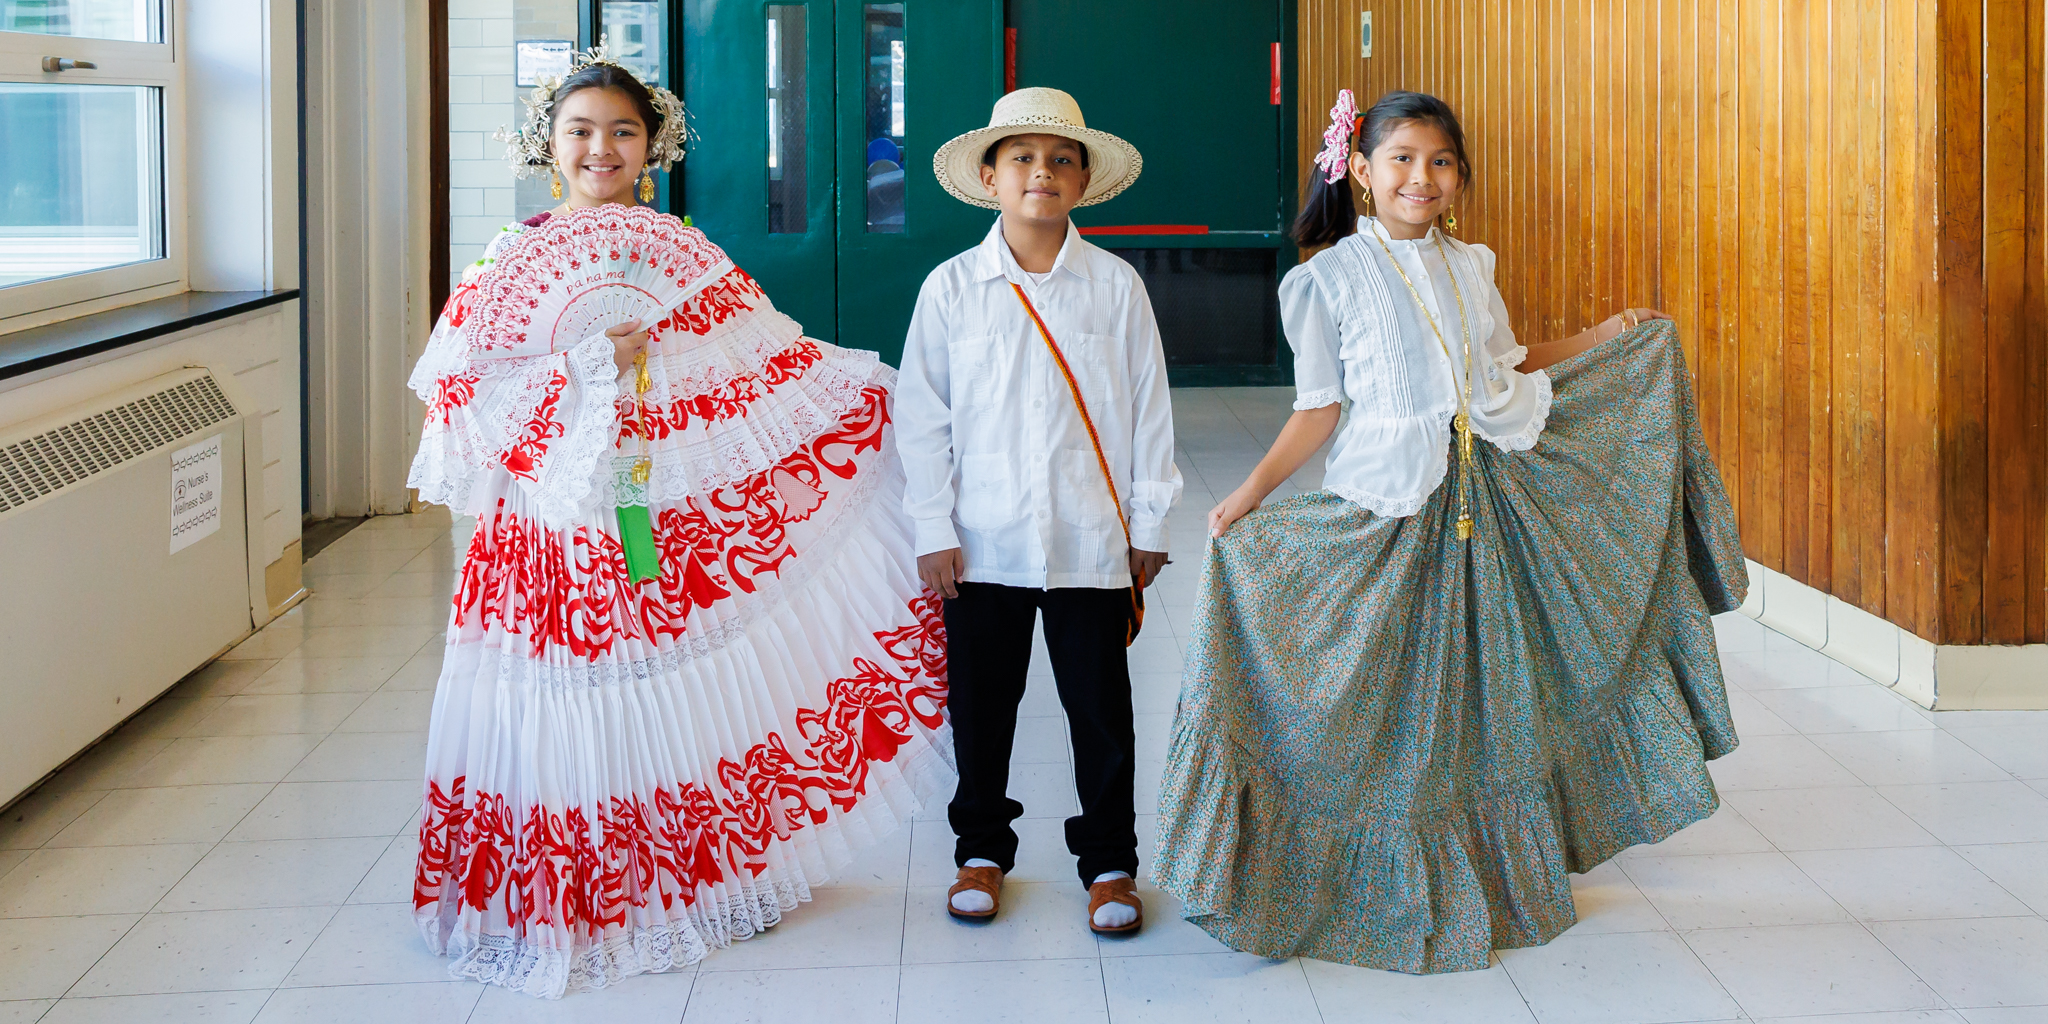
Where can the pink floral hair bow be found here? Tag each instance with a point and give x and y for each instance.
(1337, 137)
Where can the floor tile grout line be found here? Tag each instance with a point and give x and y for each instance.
(1301, 965)
(211, 847)
(1100, 957)
(1524, 996)
(1859, 921)
(903, 923)
(156, 908)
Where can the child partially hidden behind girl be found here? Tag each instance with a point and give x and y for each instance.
(1420, 698)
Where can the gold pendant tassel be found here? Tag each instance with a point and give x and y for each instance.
(643, 470)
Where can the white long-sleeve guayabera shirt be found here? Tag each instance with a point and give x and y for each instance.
(996, 457)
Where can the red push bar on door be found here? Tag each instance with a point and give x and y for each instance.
(1009, 60)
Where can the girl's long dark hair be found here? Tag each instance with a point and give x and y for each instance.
(1329, 213)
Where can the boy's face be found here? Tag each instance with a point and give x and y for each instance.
(1037, 177)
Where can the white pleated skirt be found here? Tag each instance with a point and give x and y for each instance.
(622, 778)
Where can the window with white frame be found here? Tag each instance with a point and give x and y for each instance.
(91, 207)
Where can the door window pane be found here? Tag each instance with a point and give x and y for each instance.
(484, 196)
(788, 213)
(89, 193)
(883, 120)
(635, 31)
(139, 21)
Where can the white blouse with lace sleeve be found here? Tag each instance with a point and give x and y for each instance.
(547, 419)
(1360, 337)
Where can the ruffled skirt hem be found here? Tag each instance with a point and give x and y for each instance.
(660, 940)
(1427, 893)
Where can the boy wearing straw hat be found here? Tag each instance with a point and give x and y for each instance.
(1037, 437)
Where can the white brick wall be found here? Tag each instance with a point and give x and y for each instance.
(484, 96)
(481, 100)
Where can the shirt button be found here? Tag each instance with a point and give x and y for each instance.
(1043, 514)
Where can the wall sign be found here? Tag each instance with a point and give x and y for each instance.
(543, 57)
(195, 492)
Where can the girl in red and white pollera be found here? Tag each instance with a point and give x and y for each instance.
(622, 775)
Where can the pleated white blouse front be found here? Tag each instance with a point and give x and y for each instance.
(1358, 338)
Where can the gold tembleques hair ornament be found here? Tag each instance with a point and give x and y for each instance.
(530, 150)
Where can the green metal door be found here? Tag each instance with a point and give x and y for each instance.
(912, 74)
(817, 124)
(757, 80)
(1204, 88)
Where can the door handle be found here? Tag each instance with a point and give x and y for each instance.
(67, 64)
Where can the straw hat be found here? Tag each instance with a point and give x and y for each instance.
(1113, 164)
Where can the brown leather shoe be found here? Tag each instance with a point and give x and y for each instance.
(1116, 890)
(988, 880)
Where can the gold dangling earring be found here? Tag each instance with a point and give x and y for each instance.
(1451, 218)
(1368, 202)
(556, 190)
(646, 185)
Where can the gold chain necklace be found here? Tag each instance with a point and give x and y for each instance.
(1463, 422)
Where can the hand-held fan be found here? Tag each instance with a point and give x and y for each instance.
(560, 284)
(566, 281)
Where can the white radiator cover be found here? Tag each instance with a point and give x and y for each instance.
(97, 616)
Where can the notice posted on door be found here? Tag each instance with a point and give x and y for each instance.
(195, 493)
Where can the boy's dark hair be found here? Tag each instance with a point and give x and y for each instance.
(1329, 214)
(608, 76)
(988, 156)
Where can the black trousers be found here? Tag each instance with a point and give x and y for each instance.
(988, 653)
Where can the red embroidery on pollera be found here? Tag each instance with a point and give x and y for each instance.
(557, 873)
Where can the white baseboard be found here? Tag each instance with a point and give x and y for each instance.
(1944, 676)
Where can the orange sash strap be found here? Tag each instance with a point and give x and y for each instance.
(1059, 359)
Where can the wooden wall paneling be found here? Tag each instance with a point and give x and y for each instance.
(1533, 184)
(1768, 351)
(1961, 511)
(1793, 320)
(1621, 185)
(1712, 112)
(1858, 353)
(1596, 157)
(1912, 394)
(1641, 241)
(1578, 127)
(438, 271)
(1817, 242)
(1678, 131)
(2003, 264)
(2033, 424)
(1759, 287)
(1543, 314)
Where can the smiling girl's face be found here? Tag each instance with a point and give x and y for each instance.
(600, 145)
(1413, 177)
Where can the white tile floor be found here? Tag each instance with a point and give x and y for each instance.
(242, 852)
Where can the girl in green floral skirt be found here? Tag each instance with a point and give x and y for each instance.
(1481, 659)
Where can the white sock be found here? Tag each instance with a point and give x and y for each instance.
(1113, 915)
(974, 901)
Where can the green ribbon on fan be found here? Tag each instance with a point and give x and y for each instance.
(636, 526)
